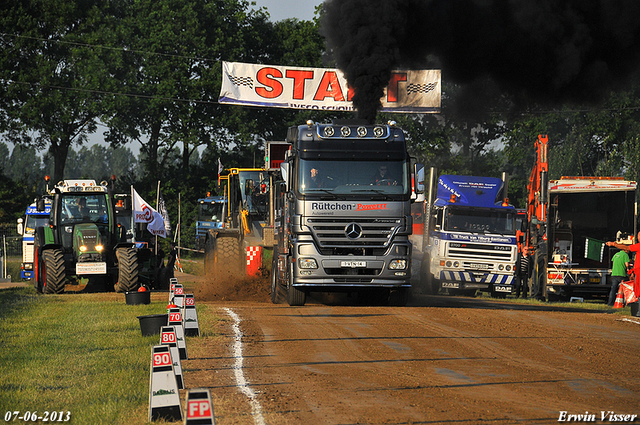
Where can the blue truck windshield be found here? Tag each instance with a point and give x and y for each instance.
(480, 221)
(210, 212)
(353, 177)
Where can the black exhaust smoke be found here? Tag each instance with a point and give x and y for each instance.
(549, 51)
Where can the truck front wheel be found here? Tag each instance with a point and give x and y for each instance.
(128, 270)
(295, 296)
(54, 273)
(426, 278)
(275, 286)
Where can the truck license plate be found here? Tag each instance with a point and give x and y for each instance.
(353, 264)
(453, 285)
(479, 266)
(91, 268)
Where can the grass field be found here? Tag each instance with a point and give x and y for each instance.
(77, 353)
(84, 353)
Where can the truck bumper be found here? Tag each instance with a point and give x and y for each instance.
(334, 272)
(500, 283)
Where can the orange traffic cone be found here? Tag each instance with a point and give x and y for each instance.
(619, 298)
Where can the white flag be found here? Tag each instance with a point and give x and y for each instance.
(144, 213)
(220, 167)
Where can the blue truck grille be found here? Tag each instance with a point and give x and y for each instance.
(473, 251)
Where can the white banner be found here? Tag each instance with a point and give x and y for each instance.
(323, 89)
(145, 213)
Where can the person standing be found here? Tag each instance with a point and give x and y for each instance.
(618, 273)
(524, 273)
(636, 264)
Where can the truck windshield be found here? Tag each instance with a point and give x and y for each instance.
(480, 221)
(33, 221)
(210, 212)
(80, 208)
(353, 177)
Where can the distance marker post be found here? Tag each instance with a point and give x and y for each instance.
(168, 337)
(191, 326)
(199, 408)
(164, 396)
(172, 282)
(175, 319)
(178, 296)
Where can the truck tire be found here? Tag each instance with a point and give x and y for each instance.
(228, 256)
(209, 255)
(399, 297)
(275, 286)
(295, 297)
(426, 278)
(53, 271)
(128, 270)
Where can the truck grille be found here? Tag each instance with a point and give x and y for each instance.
(469, 250)
(338, 233)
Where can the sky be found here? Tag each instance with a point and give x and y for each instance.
(283, 9)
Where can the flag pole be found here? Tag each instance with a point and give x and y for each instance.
(157, 202)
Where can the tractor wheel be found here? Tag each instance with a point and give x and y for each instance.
(38, 268)
(228, 258)
(53, 271)
(128, 270)
(294, 295)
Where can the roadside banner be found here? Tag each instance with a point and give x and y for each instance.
(164, 396)
(168, 337)
(199, 407)
(325, 89)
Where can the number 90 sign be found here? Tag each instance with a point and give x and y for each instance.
(161, 359)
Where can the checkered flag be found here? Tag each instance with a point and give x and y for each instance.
(420, 88)
(241, 81)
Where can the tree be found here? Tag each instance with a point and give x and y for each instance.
(49, 79)
(171, 73)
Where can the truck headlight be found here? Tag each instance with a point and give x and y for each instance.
(99, 248)
(508, 268)
(501, 267)
(398, 264)
(307, 263)
(82, 248)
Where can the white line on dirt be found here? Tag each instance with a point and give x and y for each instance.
(241, 382)
(629, 320)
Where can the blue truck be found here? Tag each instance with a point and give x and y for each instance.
(211, 211)
(26, 228)
(469, 236)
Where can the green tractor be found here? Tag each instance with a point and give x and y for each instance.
(84, 244)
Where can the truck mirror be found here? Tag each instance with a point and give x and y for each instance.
(40, 205)
(20, 226)
(284, 170)
(418, 176)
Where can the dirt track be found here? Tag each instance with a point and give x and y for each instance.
(438, 360)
